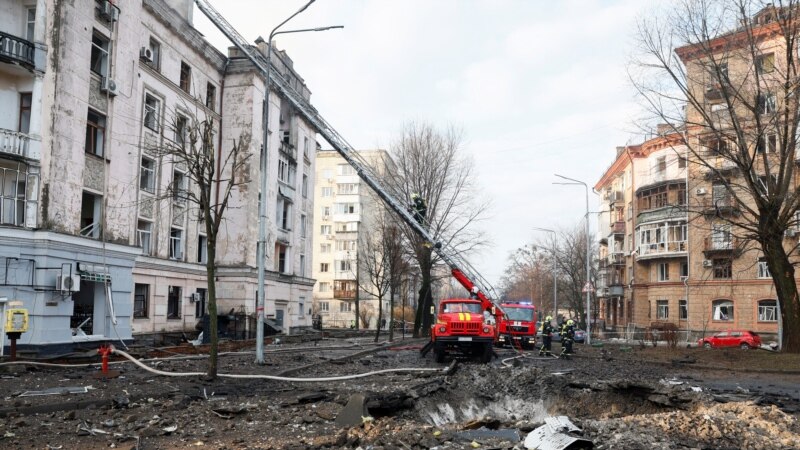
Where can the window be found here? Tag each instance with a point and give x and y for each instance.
(768, 311)
(344, 227)
(765, 63)
(324, 286)
(723, 70)
(91, 215)
(344, 265)
(663, 272)
(30, 23)
(325, 229)
(722, 268)
(211, 96)
(144, 231)
(722, 310)
(301, 306)
(684, 269)
(202, 249)
(175, 243)
(99, 56)
(721, 238)
(200, 304)
(345, 208)
(323, 267)
(661, 164)
(303, 225)
(186, 77)
(140, 300)
(683, 310)
(25, 101)
(147, 175)
(283, 169)
(344, 307)
(346, 169)
(179, 188)
(280, 258)
(174, 303)
(347, 188)
(152, 107)
(284, 213)
(325, 248)
(292, 178)
(763, 183)
(95, 133)
(324, 307)
(763, 269)
(305, 146)
(181, 128)
(768, 143)
(304, 186)
(343, 245)
(326, 210)
(327, 192)
(766, 103)
(681, 162)
(155, 49)
(302, 265)
(662, 309)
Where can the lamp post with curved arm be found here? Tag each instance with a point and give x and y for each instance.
(262, 204)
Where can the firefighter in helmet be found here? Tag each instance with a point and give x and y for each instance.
(547, 336)
(418, 208)
(567, 337)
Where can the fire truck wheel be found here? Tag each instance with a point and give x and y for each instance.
(486, 354)
(439, 353)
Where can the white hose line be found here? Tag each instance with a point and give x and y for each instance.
(272, 377)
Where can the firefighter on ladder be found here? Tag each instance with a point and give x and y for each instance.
(418, 208)
(567, 337)
(547, 336)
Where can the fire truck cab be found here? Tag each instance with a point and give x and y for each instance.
(518, 326)
(461, 327)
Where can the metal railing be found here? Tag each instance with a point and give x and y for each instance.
(17, 50)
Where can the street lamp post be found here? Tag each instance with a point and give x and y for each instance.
(555, 272)
(588, 267)
(262, 204)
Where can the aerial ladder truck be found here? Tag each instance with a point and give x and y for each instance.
(467, 332)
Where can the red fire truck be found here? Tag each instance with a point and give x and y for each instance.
(518, 326)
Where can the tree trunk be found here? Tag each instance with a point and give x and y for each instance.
(211, 271)
(391, 312)
(380, 316)
(782, 272)
(422, 321)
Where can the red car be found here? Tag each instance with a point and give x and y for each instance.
(732, 338)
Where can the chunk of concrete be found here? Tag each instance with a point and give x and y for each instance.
(352, 414)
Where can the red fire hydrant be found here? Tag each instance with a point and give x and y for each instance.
(105, 350)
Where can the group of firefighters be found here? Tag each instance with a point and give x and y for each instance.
(566, 331)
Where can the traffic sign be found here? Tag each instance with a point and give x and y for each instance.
(588, 287)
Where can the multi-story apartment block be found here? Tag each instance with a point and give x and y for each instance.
(643, 233)
(346, 211)
(90, 240)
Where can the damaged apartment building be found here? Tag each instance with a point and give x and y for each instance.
(91, 242)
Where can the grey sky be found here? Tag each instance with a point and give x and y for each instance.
(537, 87)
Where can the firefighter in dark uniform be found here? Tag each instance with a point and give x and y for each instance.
(418, 208)
(547, 336)
(567, 337)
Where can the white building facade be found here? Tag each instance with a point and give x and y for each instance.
(89, 242)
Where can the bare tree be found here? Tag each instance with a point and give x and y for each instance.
(209, 180)
(725, 74)
(366, 313)
(428, 163)
(374, 264)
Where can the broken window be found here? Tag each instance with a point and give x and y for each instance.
(722, 310)
(99, 56)
(179, 188)
(144, 232)
(140, 300)
(763, 269)
(175, 243)
(768, 311)
(181, 129)
(95, 133)
(211, 96)
(722, 268)
(200, 304)
(662, 309)
(91, 214)
(202, 249)
(147, 175)
(766, 103)
(155, 50)
(280, 257)
(14, 186)
(765, 63)
(186, 77)
(721, 237)
(152, 107)
(174, 303)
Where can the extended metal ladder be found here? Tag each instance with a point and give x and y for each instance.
(461, 269)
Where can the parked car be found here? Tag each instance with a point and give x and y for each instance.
(580, 336)
(743, 339)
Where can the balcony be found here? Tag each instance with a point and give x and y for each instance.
(614, 197)
(618, 229)
(714, 205)
(617, 259)
(16, 50)
(343, 294)
(662, 249)
(289, 151)
(722, 245)
(16, 143)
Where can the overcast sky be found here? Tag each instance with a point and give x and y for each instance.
(537, 87)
